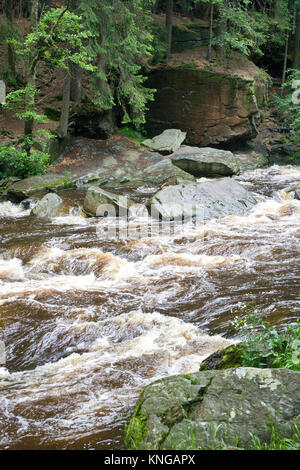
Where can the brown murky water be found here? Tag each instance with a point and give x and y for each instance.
(88, 321)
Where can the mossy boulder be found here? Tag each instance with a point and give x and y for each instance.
(38, 185)
(215, 409)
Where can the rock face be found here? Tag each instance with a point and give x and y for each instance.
(213, 409)
(167, 142)
(48, 206)
(38, 184)
(297, 194)
(207, 200)
(212, 108)
(100, 203)
(206, 161)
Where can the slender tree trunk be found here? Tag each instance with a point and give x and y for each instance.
(10, 47)
(76, 83)
(284, 63)
(210, 32)
(169, 25)
(297, 41)
(34, 12)
(222, 30)
(64, 118)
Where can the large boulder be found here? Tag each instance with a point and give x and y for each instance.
(213, 108)
(39, 184)
(101, 203)
(215, 409)
(48, 206)
(167, 142)
(205, 200)
(164, 172)
(206, 161)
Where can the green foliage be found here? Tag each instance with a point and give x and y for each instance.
(277, 442)
(133, 134)
(136, 431)
(289, 104)
(16, 162)
(120, 45)
(264, 345)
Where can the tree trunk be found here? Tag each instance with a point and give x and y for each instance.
(210, 32)
(30, 106)
(222, 30)
(297, 41)
(284, 63)
(169, 25)
(34, 12)
(10, 47)
(64, 118)
(76, 83)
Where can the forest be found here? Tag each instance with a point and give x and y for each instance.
(149, 227)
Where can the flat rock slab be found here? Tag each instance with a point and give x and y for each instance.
(213, 409)
(39, 184)
(115, 162)
(207, 200)
(206, 161)
(167, 142)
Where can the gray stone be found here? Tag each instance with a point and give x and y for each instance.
(39, 184)
(48, 206)
(167, 142)
(297, 194)
(163, 172)
(101, 203)
(213, 409)
(206, 161)
(205, 200)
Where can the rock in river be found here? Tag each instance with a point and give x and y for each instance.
(48, 206)
(167, 142)
(206, 161)
(101, 203)
(206, 410)
(205, 200)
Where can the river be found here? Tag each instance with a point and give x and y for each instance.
(89, 320)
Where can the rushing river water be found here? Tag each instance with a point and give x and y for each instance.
(88, 320)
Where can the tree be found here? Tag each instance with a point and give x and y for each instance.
(169, 26)
(56, 40)
(120, 45)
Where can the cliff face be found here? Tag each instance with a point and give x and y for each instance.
(213, 108)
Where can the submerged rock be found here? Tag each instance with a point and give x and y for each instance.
(167, 142)
(213, 409)
(207, 200)
(48, 206)
(101, 203)
(206, 161)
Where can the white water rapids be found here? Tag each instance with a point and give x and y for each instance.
(88, 322)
